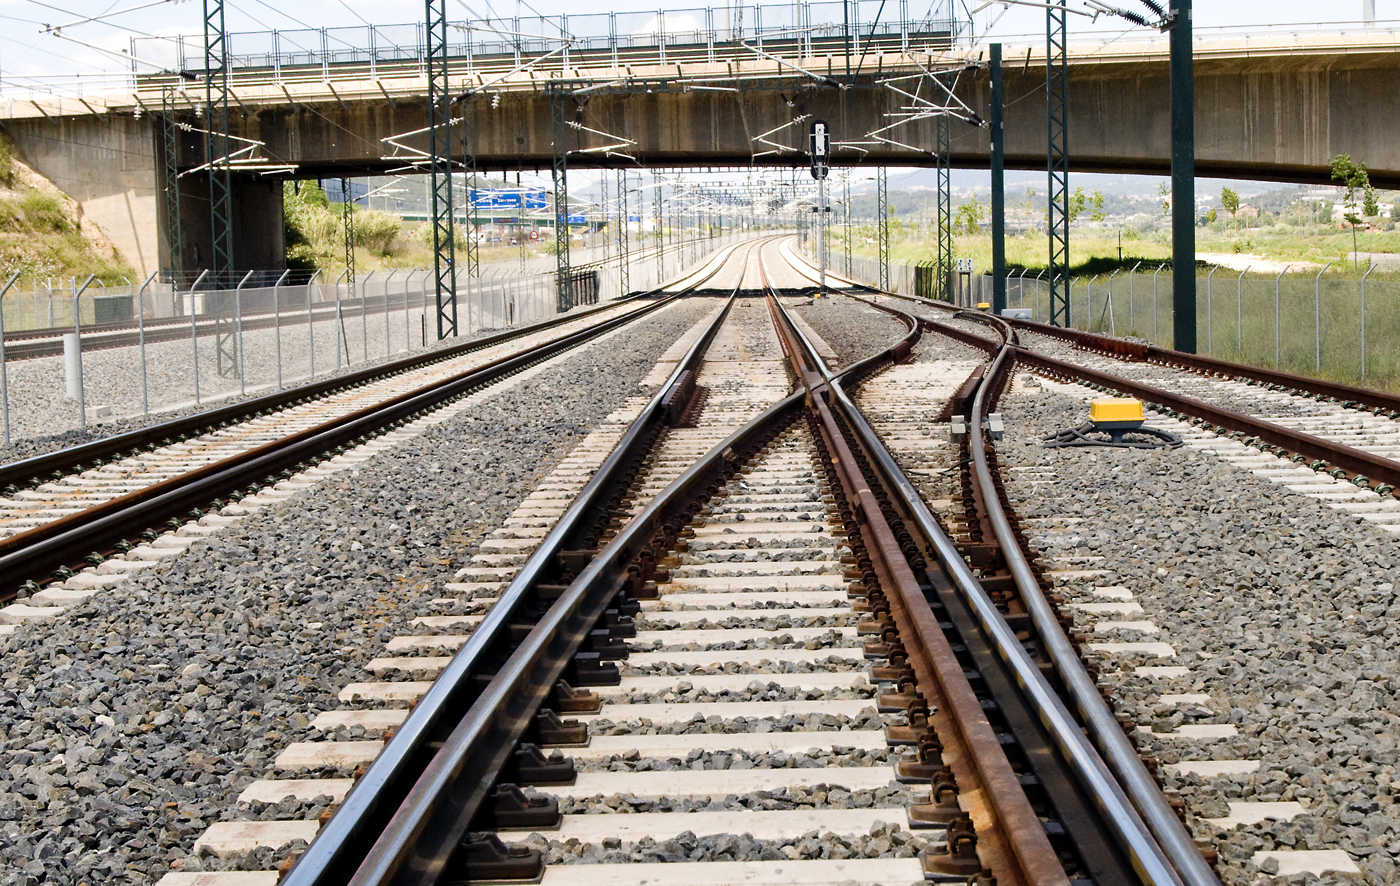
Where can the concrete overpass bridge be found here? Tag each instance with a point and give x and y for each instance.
(691, 88)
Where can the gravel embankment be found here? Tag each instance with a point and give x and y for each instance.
(854, 331)
(133, 722)
(1282, 608)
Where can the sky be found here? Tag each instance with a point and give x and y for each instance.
(32, 59)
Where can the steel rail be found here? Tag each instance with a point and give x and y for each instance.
(1012, 841)
(379, 830)
(37, 552)
(1149, 353)
(1170, 856)
(41, 467)
(1356, 463)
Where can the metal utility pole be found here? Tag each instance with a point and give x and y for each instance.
(216, 156)
(660, 242)
(944, 149)
(1368, 11)
(624, 262)
(1183, 180)
(846, 228)
(347, 222)
(440, 169)
(473, 243)
(996, 124)
(174, 221)
(559, 173)
(1057, 158)
(820, 149)
(882, 223)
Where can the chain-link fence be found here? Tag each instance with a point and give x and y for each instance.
(134, 350)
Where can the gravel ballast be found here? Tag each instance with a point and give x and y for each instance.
(132, 722)
(1282, 608)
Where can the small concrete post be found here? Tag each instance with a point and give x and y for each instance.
(141, 343)
(4, 373)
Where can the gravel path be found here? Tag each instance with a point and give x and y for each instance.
(126, 736)
(1282, 609)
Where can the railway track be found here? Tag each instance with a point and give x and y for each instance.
(58, 513)
(767, 663)
(1306, 429)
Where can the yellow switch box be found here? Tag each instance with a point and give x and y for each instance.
(984, 306)
(1105, 410)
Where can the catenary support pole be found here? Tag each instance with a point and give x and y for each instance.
(1183, 180)
(998, 138)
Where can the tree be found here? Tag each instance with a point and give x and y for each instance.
(1211, 216)
(1357, 181)
(1164, 195)
(969, 218)
(1080, 201)
(1231, 201)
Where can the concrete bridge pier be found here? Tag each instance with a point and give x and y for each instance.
(111, 166)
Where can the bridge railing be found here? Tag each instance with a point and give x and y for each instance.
(796, 29)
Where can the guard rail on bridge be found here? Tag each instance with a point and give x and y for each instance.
(610, 40)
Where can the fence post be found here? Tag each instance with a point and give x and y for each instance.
(364, 317)
(141, 342)
(1239, 313)
(1112, 324)
(1154, 300)
(1131, 273)
(406, 281)
(4, 374)
(1210, 303)
(194, 331)
(340, 320)
(311, 328)
(1037, 288)
(1278, 350)
(238, 331)
(277, 321)
(1317, 318)
(78, 350)
(388, 347)
(1363, 318)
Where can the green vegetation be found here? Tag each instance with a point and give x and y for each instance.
(39, 238)
(314, 231)
(1357, 182)
(39, 234)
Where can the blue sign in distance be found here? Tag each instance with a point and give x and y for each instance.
(578, 218)
(498, 199)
